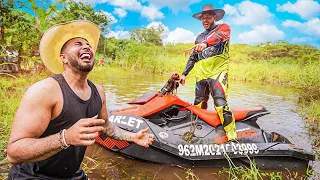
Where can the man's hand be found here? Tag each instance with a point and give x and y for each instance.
(200, 47)
(182, 79)
(84, 132)
(142, 138)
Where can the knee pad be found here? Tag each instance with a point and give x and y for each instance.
(228, 121)
(225, 115)
(220, 101)
(198, 100)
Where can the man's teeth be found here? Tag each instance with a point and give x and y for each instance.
(85, 56)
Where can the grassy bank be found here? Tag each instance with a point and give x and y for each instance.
(11, 92)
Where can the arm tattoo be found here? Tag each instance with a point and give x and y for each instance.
(114, 131)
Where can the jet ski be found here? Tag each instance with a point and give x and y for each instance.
(189, 136)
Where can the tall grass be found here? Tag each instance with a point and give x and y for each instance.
(11, 92)
(262, 71)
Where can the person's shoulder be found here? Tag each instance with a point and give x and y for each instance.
(200, 37)
(202, 33)
(45, 86)
(224, 26)
(99, 88)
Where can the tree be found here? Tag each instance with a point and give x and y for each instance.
(78, 10)
(5, 19)
(139, 35)
(22, 31)
(152, 35)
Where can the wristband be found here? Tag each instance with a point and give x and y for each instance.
(62, 139)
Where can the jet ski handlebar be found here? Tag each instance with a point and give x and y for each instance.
(171, 85)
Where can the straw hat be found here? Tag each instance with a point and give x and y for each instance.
(55, 37)
(208, 8)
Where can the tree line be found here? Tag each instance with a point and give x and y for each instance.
(22, 24)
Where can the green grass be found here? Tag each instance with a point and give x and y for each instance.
(11, 92)
(293, 74)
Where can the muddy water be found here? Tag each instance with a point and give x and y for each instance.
(279, 100)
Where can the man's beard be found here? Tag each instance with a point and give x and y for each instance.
(76, 64)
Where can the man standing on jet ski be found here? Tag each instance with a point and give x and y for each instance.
(211, 50)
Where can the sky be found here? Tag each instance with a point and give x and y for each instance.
(252, 22)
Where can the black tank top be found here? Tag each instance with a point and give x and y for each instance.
(66, 163)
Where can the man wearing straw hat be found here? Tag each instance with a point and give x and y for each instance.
(212, 53)
(60, 116)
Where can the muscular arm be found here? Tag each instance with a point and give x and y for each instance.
(30, 121)
(111, 129)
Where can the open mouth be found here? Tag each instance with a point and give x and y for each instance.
(206, 24)
(85, 56)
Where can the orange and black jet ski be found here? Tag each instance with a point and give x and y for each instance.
(187, 135)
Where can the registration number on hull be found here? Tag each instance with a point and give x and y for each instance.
(217, 149)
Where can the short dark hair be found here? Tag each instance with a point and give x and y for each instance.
(64, 47)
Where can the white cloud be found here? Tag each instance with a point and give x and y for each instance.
(155, 24)
(262, 33)
(180, 35)
(132, 5)
(247, 13)
(301, 39)
(174, 5)
(120, 12)
(151, 13)
(230, 10)
(311, 27)
(136, 5)
(292, 23)
(111, 18)
(119, 34)
(304, 8)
